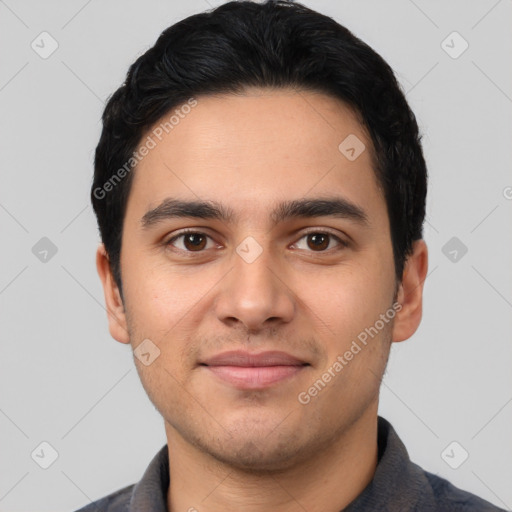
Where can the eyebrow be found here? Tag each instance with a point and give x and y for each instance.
(338, 207)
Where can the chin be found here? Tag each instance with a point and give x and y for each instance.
(249, 457)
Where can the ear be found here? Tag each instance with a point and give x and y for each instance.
(410, 293)
(115, 308)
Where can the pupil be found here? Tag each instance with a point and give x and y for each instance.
(319, 240)
(195, 239)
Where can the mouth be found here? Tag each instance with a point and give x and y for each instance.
(244, 370)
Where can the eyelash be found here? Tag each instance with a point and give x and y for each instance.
(342, 243)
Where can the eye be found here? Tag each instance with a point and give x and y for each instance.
(190, 241)
(196, 241)
(320, 241)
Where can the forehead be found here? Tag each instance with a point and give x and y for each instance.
(257, 147)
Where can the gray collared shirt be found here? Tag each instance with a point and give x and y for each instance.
(398, 485)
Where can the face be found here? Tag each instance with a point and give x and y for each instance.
(276, 274)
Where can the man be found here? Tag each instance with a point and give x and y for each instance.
(260, 192)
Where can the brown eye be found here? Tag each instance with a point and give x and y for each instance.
(194, 241)
(318, 241)
(191, 241)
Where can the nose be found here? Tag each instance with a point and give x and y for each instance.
(254, 293)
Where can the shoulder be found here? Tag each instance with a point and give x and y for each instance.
(449, 497)
(118, 501)
(148, 494)
(404, 485)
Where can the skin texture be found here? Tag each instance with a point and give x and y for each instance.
(259, 450)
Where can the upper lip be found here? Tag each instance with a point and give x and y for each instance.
(244, 358)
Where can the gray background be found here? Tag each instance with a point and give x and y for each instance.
(65, 381)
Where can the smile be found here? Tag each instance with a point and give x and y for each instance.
(254, 377)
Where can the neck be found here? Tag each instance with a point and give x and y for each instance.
(326, 483)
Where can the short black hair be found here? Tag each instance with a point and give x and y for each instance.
(275, 44)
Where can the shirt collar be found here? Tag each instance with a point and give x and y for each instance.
(398, 483)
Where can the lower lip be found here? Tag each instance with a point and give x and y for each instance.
(254, 377)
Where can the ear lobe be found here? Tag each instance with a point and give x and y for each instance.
(114, 305)
(410, 293)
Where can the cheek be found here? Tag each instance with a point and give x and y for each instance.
(161, 297)
(347, 301)
(164, 383)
